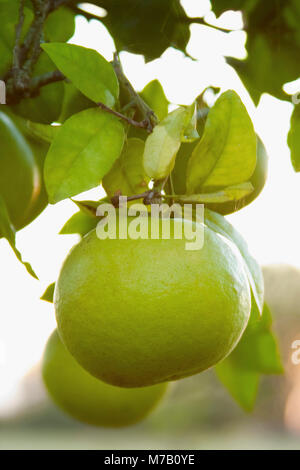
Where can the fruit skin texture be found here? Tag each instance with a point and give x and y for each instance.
(140, 312)
(88, 399)
(19, 176)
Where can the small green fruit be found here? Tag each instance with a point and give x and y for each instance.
(88, 399)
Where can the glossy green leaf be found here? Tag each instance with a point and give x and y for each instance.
(219, 224)
(44, 132)
(231, 193)
(60, 25)
(80, 223)
(89, 207)
(273, 38)
(82, 152)
(258, 349)
(49, 292)
(256, 353)
(144, 27)
(7, 230)
(127, 176)
(163, 144)
(154, 95)
(241, 383)
(74, 102)
(226, 153)
(190, 132)
(180, 168)
(87, 70)
(294, 138)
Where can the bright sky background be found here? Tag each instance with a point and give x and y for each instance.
(270, 224)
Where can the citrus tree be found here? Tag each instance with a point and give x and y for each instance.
(139, 312)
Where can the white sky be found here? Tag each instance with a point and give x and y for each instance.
(270, 224)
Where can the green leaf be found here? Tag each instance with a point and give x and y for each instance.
(7, 230)
(153, 94)
(219, 6)
(294, 138)
(163, 144)
(44, 132)
(80, 223)
(144, 27)
(60, 25)
(73, 102)
(241, 383)
(88, 71)
(49, 292)
(226, 153)
(231, 193)
(219, 224)
(89, 207)
(190, 132)
(127, 176)
(256, 353)
(180, 167)
(272, 38)
(258, 349)
(82, 152)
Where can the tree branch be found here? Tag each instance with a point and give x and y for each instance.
(43, 80)
(149, 118)
(188, 20)
(19, 26)
(141, 124)
(19, 81)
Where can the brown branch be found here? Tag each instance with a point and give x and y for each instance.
(19, 81)
(19, 26)
(141, 124)
(43, 80)
(150, 119)
(188, 20)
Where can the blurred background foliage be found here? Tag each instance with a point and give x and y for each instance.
(198, 413)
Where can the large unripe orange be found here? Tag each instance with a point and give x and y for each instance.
(140, 312)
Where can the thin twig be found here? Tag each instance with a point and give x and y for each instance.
(141, 124)
(46, 79)
(148, 114)
(189, 20)
(19, 26)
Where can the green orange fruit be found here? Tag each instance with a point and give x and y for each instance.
(136, 312)
(88, 399)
